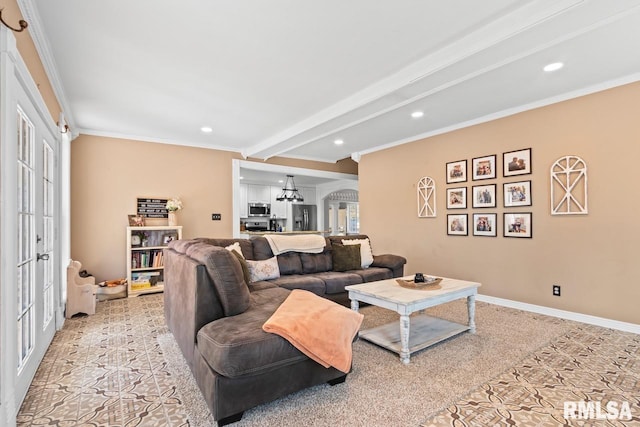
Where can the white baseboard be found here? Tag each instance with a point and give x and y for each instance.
(569, 315)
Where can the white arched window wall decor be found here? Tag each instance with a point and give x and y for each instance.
(426, 198)
(569, 186)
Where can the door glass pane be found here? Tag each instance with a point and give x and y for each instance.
(47, 227)
(26, 236)
(353, 218)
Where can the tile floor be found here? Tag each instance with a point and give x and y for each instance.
(106, 370)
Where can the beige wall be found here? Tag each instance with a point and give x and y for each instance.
(12, 15)
(593, 257)
(108, 174)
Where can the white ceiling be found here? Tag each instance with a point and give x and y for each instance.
(287, 77)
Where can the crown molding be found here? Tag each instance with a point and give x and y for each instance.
(181, 142)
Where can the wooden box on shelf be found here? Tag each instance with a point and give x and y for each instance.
(145, 259)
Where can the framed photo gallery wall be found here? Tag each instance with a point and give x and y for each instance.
(514, 193)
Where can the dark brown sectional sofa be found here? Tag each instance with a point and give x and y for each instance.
(217, 318)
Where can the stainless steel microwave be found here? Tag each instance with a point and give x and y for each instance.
(259, 209)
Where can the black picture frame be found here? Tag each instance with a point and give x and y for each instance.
(458, 224)
(485, 224)
(483, 167)
(456, 171)
(483, 196)
(518, 224)
(517, 193)
(517, 162)
(457, 198)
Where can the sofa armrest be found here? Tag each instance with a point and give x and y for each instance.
(393, 262)
(190, 301)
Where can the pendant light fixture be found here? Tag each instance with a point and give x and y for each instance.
(290, 193)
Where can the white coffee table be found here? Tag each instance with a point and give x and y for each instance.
(421, 331)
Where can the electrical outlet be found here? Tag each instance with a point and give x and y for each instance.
(556, 290)
(216, 217)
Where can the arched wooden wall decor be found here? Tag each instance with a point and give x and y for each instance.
(426, 198)
(569, 186)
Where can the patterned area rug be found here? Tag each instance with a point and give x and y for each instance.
(588, 368)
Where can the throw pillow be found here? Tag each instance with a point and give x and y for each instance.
(263, 270)
(366, 254)
(346, 257)
(243, 264)
(235, 248)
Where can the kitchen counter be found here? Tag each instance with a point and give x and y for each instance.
(262, 233)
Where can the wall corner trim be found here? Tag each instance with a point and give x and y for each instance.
(569, 315)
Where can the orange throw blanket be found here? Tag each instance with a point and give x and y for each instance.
(318, 327)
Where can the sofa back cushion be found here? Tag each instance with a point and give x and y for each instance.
(225, 272)
(261, 248)
(290, 263)
(317, 263)
(245, 245)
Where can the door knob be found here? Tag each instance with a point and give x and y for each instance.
(43, 257)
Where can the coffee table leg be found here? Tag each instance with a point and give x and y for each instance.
(404, 338)
(471, 308)
(355, 306)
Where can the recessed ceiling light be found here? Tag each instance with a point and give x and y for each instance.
(417, 114)
(280, 181)
(338, 142)
(553, 66)
(206, 129)
(242, 177)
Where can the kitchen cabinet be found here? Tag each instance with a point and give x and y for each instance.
(258, 193)
(244, 209)
(309, 194)
(279, 209)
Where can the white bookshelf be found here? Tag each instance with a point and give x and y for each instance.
(145, 258)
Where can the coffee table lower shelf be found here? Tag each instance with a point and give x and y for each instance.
(424, 332)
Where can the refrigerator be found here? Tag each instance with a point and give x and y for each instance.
(304, 217)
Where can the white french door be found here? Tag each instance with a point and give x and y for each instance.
(35, 238)
(29, 219)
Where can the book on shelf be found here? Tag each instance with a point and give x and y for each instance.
(146, 259)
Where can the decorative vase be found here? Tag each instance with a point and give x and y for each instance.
(173, 218)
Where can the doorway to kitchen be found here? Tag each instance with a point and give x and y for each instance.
(342, 212)
(324, 183)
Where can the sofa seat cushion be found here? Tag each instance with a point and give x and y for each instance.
(372, 274)
(335, 281)
(263, 284)
(301, 281)
(237, 346)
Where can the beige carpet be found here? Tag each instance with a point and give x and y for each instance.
(452, 383)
